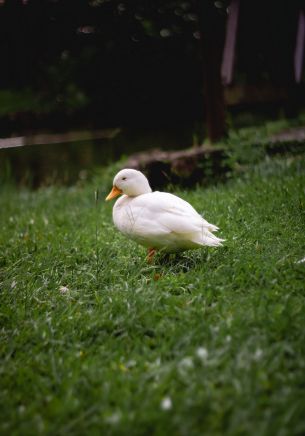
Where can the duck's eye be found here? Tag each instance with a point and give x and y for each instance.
(123, 178)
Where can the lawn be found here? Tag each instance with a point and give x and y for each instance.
(91, 343)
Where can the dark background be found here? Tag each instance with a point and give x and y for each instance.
(102, 63)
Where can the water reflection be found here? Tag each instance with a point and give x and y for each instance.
(68, 162)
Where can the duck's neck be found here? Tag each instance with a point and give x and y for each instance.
(140, 189)
(138, 193)
(146, 189)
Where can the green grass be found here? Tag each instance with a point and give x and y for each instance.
(219, 338)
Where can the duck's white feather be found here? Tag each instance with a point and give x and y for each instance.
(163, 220)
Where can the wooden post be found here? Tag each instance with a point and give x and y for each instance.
(230, 42)
(212, 38)
(299, 48)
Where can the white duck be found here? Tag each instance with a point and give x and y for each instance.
(157, 220)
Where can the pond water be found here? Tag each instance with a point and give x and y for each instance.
(71, 157)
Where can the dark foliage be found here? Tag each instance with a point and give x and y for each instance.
(139, 62)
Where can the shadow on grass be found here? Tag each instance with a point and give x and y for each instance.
(186, 261)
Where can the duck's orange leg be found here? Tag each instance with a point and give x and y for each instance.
(150, 255)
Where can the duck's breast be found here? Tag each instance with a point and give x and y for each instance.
(133, 217)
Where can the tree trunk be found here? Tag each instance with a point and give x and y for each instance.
(212, 24)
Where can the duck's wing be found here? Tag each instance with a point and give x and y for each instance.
(180, 218)
(176, 215)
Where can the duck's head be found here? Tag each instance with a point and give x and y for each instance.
(129, 182)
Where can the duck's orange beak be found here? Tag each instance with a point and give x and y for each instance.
(113, 193)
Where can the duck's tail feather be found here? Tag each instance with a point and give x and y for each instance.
(207, 238)
(212, 242)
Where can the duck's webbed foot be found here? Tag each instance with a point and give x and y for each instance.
(150, 254)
